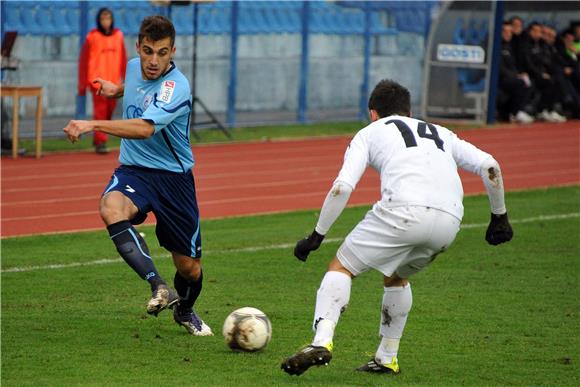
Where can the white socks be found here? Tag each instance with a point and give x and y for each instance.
(397, 302)
(331, 300)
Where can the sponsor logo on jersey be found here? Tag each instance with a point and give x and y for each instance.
(147, 101)
(128, 188)
(166, 93)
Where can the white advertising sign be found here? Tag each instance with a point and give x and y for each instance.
(460, 53)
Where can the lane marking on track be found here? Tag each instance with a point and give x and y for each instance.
(107, 261)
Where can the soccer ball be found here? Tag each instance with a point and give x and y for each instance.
(247, 329)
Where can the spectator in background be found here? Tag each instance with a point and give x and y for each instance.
(515, 86)
(575, 26)
(539, 68)
(561, 72)
(570, 56)
(518, 38)
(103, 56)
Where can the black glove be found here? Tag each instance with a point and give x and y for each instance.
(499, 230)
(308, 244)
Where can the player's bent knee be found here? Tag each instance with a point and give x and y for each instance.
(395, 280)
(336, 265)
(189, 268)
(114, 208)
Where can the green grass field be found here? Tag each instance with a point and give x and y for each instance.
(482, 315)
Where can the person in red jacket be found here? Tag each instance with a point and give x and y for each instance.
(103, 56)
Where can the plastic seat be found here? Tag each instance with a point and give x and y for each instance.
(378, 27)
(247, 24)
(59, 18)
(45, 19)
(29, 21)
(459, 31)
(13, 18)
(71, 15)
(210, 16)
(291, 19)
(472, 33)
(182, 18)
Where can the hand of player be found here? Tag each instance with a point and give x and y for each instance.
(75, 128)
(106, 88)
(499, 230)
(308, 244)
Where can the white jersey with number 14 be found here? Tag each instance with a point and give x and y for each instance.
(417, 163)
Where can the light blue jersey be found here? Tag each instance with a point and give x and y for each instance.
(165, 102)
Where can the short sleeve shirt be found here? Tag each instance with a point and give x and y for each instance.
(166, 103)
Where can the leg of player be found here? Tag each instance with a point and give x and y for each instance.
(116, 209)
(331, 300)
(188, 283)
(397, 302)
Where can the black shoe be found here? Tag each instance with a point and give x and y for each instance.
(101, 149)
(373, 366)
(307, 357)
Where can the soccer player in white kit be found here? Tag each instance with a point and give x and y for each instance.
(416, 218)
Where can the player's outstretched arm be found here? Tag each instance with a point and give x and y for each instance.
(499, 229)
(135, 128)
(333, 206)
(109, 89)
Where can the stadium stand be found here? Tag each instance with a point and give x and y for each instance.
(61, 18)
(396, 31)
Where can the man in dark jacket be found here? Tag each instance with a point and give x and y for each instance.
(539, 68)
(514, 86)
(564, 70)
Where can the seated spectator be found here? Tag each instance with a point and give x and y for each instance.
(514, 86)
(561, 72)
(539, 68)
(575, 26)
(519, 36)
(570, 56)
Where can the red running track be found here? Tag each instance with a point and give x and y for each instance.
(60, 192)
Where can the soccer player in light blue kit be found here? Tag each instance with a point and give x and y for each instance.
(155, 172)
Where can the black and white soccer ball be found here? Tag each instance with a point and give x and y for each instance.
(247, 329)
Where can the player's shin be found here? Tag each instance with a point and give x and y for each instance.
(331, 300)
(188, 290)
(397, 302)
(133, 249)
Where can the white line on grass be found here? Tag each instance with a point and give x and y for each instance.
(107, 261)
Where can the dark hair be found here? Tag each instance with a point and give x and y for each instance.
(511, 19)
(567, 31)
(389, 98)
(156, 28)
(533, 24)
(99, 26)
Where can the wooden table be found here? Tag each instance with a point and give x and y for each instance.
(15, 92)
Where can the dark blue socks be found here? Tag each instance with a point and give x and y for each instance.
(134, 251)
(188, 290)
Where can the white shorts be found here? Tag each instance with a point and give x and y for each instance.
(401, 240)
